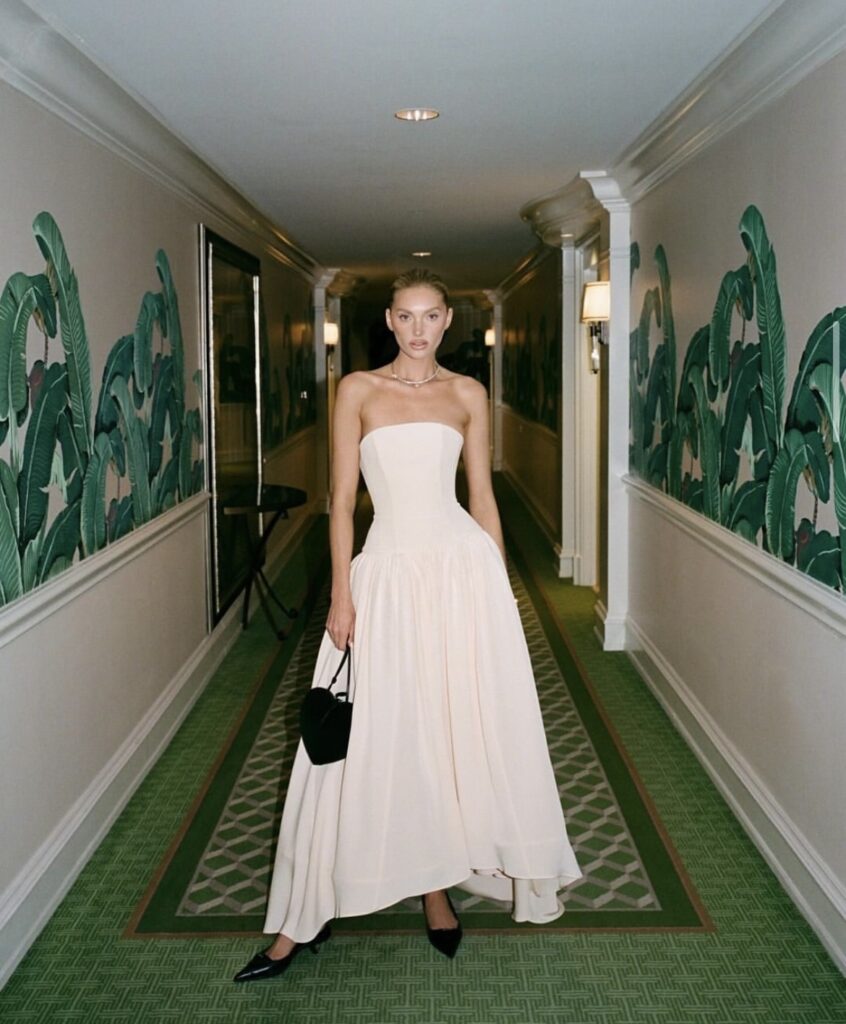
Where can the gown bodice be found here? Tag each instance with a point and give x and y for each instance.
(409, 469)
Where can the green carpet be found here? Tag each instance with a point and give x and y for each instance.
(216, 876)
(762, 965)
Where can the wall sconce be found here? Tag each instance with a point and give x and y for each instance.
(330, 334)
(490, 337)
(596, 308)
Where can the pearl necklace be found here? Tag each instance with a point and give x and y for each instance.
(416, 383)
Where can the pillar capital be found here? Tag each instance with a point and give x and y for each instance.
(565, 216)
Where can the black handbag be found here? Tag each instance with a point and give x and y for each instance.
(326, 718)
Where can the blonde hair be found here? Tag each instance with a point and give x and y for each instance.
(420, 278)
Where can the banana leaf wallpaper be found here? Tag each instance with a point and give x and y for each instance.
(722, 441)
(531, 349)
(76, 475)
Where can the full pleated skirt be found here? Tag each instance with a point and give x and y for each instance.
(447, 780)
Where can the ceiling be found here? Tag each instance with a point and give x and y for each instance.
(292, 102)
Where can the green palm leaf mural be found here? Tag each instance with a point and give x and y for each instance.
(173, 330)
(22, 298)
(151, 313)
(829, 391)
(60, 543)
(74, 339)
(41, 435)
(798, 454)
(722, 445)
(73, 464)
(93, 509)
(11, 579)
(55, 494)
(735, 290)
(746, 512)
(803, 410)
(818, 554)
(762, 263)
(745, 374)
(137, 453)
(163, 403)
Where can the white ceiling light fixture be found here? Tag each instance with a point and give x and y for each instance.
(421, 254)
(417, 114)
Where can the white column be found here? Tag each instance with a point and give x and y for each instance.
(587, 438)
(495, 298)
(320, 380)
(567, 539)
(614, 616)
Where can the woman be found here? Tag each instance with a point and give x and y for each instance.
(447, 779)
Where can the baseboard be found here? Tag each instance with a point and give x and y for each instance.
(819, 896)
(32, 898)
(29, 902)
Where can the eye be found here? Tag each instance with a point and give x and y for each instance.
(403, 316)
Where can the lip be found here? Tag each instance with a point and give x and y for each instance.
(418, 344)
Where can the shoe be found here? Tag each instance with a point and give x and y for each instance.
(261, 966)
(445, 940)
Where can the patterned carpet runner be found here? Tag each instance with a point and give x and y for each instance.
(215, 877)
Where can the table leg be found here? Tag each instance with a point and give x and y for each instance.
(256, 575)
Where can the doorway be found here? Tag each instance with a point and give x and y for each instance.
(231, 291)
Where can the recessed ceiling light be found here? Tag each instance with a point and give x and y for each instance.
(421, 254)
(417, 114)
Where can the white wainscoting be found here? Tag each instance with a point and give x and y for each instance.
(746, 656)
(531, 462)
(39, 883)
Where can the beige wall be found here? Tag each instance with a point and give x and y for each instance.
(747, 652)
(98, 666)
(531, 450)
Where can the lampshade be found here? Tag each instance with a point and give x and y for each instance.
(490, 337)
(330, 334)
(596, 301)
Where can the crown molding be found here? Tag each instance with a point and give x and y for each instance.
(786, 43)
(524, 271)
(37, 60)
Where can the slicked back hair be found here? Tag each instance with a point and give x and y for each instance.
(420, 278)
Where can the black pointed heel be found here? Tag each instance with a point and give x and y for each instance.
(261, 966)
(445, 940)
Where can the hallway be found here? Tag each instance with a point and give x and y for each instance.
(760, 964)
(638, 210)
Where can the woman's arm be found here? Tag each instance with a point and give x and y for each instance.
(477, 461)
(346, 434)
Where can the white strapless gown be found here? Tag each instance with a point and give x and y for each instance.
(447, 779)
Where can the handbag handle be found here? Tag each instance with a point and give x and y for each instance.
(346, 658)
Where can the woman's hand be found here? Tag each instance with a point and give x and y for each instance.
(340, 622)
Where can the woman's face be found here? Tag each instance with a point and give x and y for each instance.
(418, 317)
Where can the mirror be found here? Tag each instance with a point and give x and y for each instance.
(231, 282)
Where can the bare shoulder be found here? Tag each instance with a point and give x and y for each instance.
(354, 383)
(470, 392)
(355, 387)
